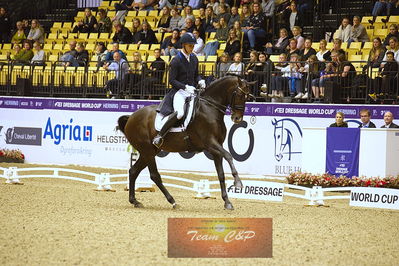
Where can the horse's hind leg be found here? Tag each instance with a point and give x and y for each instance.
(217, 159)
(217, 148)
(134, 172)
(156, 177)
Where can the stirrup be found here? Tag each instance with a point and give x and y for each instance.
(157, 141)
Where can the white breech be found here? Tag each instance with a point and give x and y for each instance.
(178, 102)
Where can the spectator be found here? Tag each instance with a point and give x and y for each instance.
(233, 44)
(339, 120)
(344, 30)
(195, 4)
(199, 46)
(68, 55)
(17, 52)
(245, 15)
(36, 32)
(39, 57)
(25, 56)
(87, 25)
(122, 34)
(358, 32)
(382, 8)
(138, 69)
(280, 45)
(209, 20)
(171, 44)
(255, 30)
(174, 20)
(237, 67)
(262, 69)
(365, 116)
(154, 75)
(122, 8)
(136, 26)
(223, 65)
(189, 25)
(201, 13)
(249, 68)
(104, 24)
(19, 35)
(307, 51)
(336, 47)
(291, 72)
(5, 26)
(376, 54)
(296, 32)
(101, 54)
(223, 14)
(222, 33)
(120, 66)
(312, 71)
(393, 32)
(222, 3)
(318, 84)
(25, 25)
(388, 74)
(292, 48)
(292, 17)
(388, 120)
(277, 81)
(238, 30)
(393, 47)
(164, 20)
(163, 3)
(322, 50)
(214, 5)
(115, 49)
(143, 4)
(145, 36)
(188, 13)
(82, 56)
(268, 7)
(234, 16)
(199, 27)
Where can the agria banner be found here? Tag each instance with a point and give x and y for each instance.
(82, 131)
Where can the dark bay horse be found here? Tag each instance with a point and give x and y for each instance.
(206, 132)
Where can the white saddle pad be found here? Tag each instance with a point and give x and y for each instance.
(160, 119)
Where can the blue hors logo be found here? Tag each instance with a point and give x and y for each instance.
(59, 132)
(285, 132)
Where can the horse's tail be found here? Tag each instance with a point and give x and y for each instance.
(122, 123)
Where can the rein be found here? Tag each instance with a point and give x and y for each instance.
(222, 108)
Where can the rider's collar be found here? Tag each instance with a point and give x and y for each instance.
(185, 55)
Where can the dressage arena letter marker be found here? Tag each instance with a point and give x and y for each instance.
(371, 197)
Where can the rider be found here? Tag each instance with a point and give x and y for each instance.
(183, 76)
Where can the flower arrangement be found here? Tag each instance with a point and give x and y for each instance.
(11, 156)
(327, 180)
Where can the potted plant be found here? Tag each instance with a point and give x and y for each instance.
(11, 156)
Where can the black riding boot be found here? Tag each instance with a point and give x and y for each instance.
(172, 120)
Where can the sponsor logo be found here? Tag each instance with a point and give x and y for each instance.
(23, 136)
(71, 132)
(286, 132)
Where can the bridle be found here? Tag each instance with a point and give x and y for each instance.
(233, 106)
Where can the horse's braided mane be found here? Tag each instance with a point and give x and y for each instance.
(217, 81)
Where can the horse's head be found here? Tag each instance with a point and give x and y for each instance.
(240, 93)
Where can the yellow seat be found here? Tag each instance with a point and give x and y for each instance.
(201, 58)
(274, 58)
(145, 47)
(142, 13)
(158, 35)
(130, 58)
(111, 14)
(133, 47)
(153, 13)
(329, 45)
(368, 45)
(37, 75)
(212, 58)
(155, 46)
(53, 58)
(79, 76)
(7, 46)
(57, 25)
(91, 47)
(166, 58)
(48, 47)
(52, 37)
(129, 24)
(150, 58)
(382, 33)
(3, 57)
(316, 46)
(93, 36)
(222, 46)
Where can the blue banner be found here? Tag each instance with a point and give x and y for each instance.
(342, 153)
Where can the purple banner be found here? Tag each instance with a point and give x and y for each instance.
(251, 109)
(342, 152)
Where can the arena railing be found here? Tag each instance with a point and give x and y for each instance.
(55, 80)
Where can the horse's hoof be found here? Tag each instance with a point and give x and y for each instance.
(175, 206)
(138, 205)
(238, 184)
(229, 207)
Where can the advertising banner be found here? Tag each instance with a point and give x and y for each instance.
(342, 156)
(82, 131)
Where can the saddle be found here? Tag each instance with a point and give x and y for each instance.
(190, 107)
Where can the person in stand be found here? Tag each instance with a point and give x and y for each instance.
(388, 119)
(183, 76)
(121, 67)
(339, 120)
(88, 24)
(365, 118)
(122, 34)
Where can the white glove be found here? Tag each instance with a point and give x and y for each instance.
(190, 89)
(202, 84)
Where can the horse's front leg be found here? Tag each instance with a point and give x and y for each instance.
(134, 172)
(217, 159)
(218, 149)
